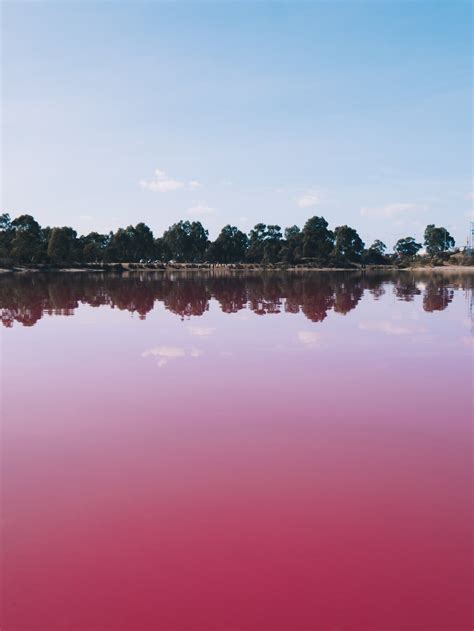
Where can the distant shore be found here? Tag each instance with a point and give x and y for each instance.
(196, 267)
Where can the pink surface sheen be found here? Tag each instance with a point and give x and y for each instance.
(243, 453)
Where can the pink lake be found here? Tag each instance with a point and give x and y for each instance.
(267, 452)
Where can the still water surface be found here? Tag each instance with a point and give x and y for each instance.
(236, 453)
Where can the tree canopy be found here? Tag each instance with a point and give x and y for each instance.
(437, 240)
(23, 241)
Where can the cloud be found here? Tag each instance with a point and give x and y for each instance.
(389, 210)
(389, 328)
(200, 331)
(200, 209)
(310, 338)
(308, 200)
(161, 183)
(164, 354)
(469, 196)
(194, 184)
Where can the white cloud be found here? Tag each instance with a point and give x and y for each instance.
(200, 209)
(243, 219)
(308, 200)
(200, 331)
(389, 210)
(161, 183)
(194, 184)
(310, 338)
(469, 196)
(389, 328)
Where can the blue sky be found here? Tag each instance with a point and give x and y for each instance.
(239, 112)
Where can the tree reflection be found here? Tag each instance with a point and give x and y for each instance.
(26, 298)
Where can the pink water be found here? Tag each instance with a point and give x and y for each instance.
(264, 453)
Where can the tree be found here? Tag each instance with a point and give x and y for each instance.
(229, 247)
(6, 235)
(407, 247)
(348, 246)
(120, 246)
(375, 254)
(256, 243)
(143, 243)
(27, 245)
(93, 247)
(318, 241)
(63, 246)
(187, 242)
(272, 245)
(437, 240)
(292, 246)
(378, 247)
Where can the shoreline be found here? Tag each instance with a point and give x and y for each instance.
(197, 267)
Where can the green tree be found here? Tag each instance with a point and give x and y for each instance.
(375, 254)
(63, 246)
(186, 241)
(292, 246)
(407, 247)
(256, 243)
(437, 240)
(27, 245)
(272, 245)
(378, 247)
(143, 243)
(93, 247)
(6, 235)
(318, 240)
(229, 247)
(348, 246)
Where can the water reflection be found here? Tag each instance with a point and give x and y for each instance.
(26, 298)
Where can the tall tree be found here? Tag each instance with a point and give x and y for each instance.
(143, 243)
(256, 244)
(318, 240)
(437, 240)
(27, 245)
(407, 247)
(94, 246)
(272, 245)
(186, 241)
(229, 247)
(375, 254)
(292, 246)
(63, 246)
(6, 235)
(348, 245)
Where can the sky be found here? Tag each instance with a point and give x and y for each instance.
(224, 112)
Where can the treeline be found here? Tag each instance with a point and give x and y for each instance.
(26, 298)
(24, 241)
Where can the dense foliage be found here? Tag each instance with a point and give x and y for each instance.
(24, 241)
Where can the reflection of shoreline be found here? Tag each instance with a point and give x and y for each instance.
(134, 268)
(25, 298)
